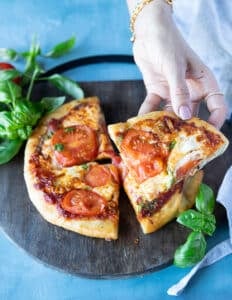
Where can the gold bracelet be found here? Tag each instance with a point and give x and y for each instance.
(135, 13)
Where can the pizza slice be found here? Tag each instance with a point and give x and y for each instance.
(66, 178)
(161, 155)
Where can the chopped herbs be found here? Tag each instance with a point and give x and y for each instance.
(172, 145)
(85, 166)
(59, 147)
(69, 129)
(146, 208)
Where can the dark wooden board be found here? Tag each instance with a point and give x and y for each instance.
(91, 257)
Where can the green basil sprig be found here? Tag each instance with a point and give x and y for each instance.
(18, 113)
(201, 222)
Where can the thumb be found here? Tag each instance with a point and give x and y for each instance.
(179, 93)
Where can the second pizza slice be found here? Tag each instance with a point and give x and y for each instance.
(161, 156)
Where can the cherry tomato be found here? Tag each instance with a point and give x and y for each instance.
(7, 66)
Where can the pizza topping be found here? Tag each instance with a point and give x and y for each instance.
(172, 145)
(145, 153)
(139, 143)
(186, 169)
(79, 145)
(69, 129)
(98, 175)
(148, 208)
(85, 167)
(149, 169)
(84, 203)
(59, 147)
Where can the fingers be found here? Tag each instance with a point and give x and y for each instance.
(151, 102)
(211, 92)
(179, 92)
(218, 110)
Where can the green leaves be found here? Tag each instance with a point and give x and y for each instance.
(61, 48)
(191, 252)
(8, 149)
(201, 222)
(205, 200)
(18, 114)
(66, 85)
(9, 91)
(8, 54)
(198, 221)
(49, 104)
(9, 74)
(18, 122)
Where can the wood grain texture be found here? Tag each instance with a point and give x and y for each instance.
(133, 253)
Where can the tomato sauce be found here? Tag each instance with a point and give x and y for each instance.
(148, 208)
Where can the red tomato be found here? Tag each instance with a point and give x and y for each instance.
(139, 144)
(75, 145)
(145, 153)
(184, 170)
(98, 175)
(6, 66)
(83, 202)
(149, 169)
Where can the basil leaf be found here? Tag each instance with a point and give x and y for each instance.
(25, 113)
(66, 85)
(31, 63)
(8, 149)
(8, 54)
(49, 104)
(6, 119)
(198, 221)
(9, 91)
(24, 132)
(8, 74)
(205, 199)
(61, 48)
(191, 252)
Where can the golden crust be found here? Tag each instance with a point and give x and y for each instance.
(93, 227)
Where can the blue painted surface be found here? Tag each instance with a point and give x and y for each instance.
(101, 27)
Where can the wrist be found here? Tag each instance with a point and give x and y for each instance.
(151, 18)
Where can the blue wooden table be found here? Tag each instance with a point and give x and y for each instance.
(100, 27)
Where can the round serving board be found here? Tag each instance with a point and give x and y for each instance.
(133, 253)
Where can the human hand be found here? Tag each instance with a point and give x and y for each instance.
(171, 70)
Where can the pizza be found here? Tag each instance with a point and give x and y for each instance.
(68, 171)
(161, 158)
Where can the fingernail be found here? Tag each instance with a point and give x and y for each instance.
(185, 112)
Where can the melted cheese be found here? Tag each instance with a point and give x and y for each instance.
(186, 149)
